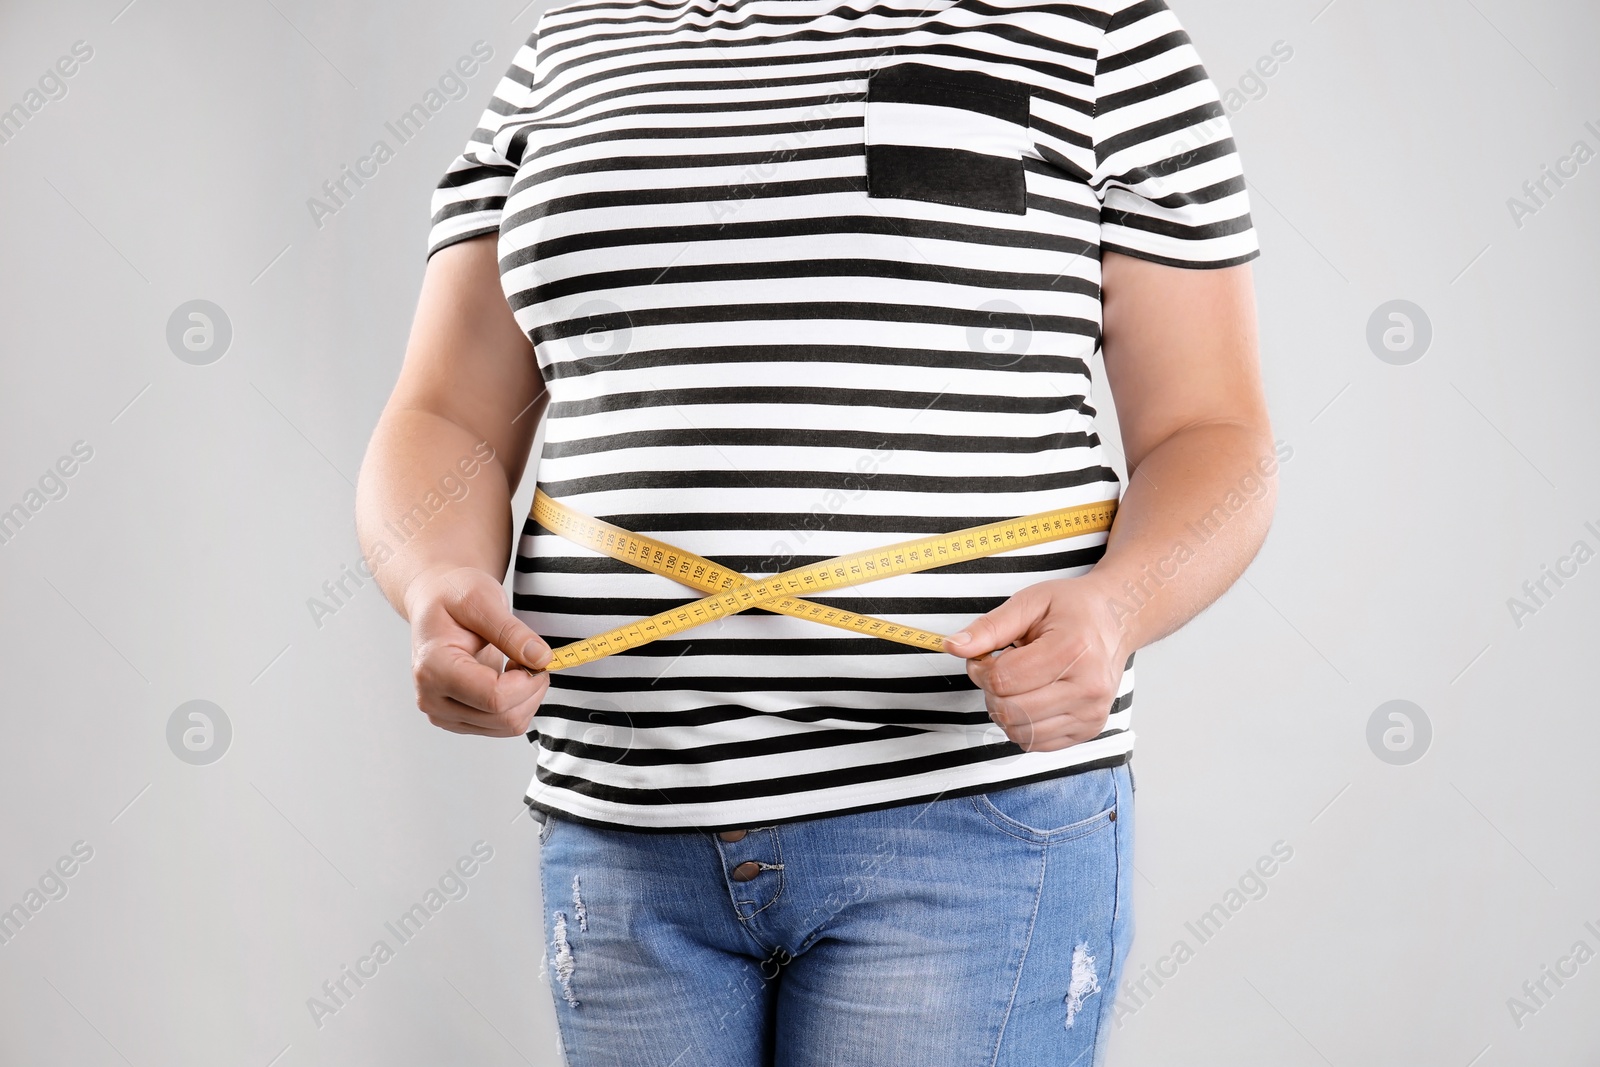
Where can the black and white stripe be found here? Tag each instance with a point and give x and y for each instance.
(947, 136)
(806, 276)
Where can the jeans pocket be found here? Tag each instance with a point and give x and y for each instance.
(947, 136)
(548, 825)
(1057, 809)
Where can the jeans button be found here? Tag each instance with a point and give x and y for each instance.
(746, 871)
(731, 836)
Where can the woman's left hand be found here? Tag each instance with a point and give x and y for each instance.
(1056, 687)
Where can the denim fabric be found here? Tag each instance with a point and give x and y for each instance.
(977, 931)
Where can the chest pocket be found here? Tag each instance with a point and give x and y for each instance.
(947, 136)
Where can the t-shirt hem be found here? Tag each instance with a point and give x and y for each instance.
(1170, 261)
(457, 238)
(1115, 760)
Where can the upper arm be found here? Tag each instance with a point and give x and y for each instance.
(1179, 326)
(1180, 350)
(467, 359)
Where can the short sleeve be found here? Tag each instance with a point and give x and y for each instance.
(468, 200)
(1166, 169)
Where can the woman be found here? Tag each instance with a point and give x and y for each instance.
(793, 279)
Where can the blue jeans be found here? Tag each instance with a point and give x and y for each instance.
(976, 931)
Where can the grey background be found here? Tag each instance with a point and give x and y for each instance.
(1419, 497)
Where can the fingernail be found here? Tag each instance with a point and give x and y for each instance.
(961, 638)
(536, 653)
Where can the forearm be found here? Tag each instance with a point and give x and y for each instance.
(432, 495)
(1192, 516)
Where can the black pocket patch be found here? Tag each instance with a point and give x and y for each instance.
(947, 136)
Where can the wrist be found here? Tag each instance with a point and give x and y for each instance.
(1115, 620)
(419, 585)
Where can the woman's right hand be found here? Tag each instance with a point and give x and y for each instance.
(462, 629)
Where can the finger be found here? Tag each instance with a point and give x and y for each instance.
(1039, 663)
(456, 726)
(1007, 623)
(1049, 728)
(1080, 698)
(1060, 732)
(1054, 744)
(514, 721)
(448, 671)
(1029, 725)
(510, 694)
(492, 657)
(482, 608)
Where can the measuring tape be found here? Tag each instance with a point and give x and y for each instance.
(732, 592)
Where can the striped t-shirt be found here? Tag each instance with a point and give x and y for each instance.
(805, 277)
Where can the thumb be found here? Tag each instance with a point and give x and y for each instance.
(998, 628)
(482, 608)
(520, 644)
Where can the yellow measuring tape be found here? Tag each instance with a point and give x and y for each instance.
(732, 592)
